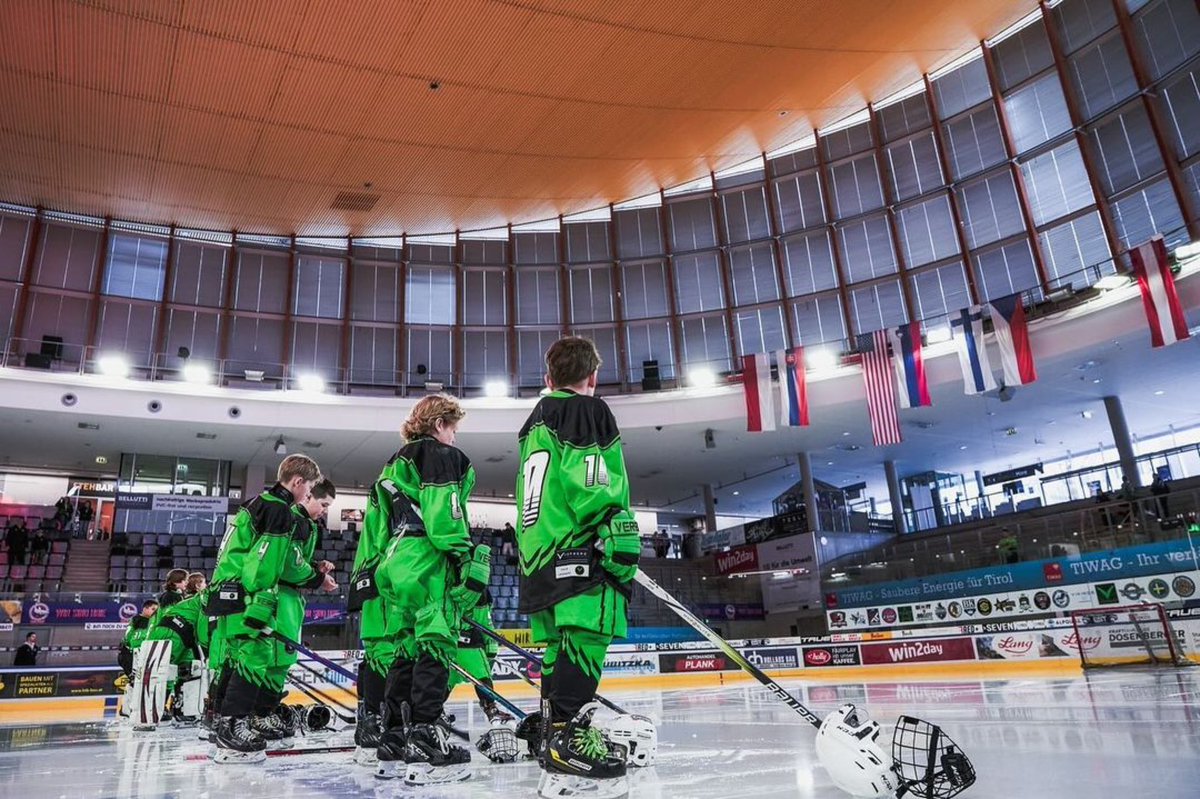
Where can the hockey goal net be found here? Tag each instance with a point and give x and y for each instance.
(1129, 635)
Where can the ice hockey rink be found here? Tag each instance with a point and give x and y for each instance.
(1111, 734)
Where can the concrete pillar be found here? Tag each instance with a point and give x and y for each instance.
(259, 475)
(985, 509)
(1120, 431)
(893, 484)
(710, 509)
(808, 488)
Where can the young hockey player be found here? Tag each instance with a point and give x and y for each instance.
(135, 633)
(579, 547)
(167, 663)
(378, 649)
(429, 577)
(245, 597)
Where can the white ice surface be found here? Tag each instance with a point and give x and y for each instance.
(1113, 735)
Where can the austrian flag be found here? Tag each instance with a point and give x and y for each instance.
(1163, 310)
(756, 383)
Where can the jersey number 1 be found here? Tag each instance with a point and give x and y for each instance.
(533, 479)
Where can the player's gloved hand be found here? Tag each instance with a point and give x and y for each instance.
(475, 573)
(261, 610)
(622, 546)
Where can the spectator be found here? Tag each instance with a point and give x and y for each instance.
(39, 546)
(85, 519)
(508, 540)
(1160, 489)
(27, 652)
(17, 539)
(173, 588)
(662, 544)
(63, 513)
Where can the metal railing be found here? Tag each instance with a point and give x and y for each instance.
(1057, 531)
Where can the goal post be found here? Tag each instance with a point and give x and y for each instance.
(1129, 635)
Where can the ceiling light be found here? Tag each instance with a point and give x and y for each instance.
(937, 335)
(100, 459)
(113, 365)
(1110, 282)
(1086, 414)
(1159, 393)
(495, 388)
(196, 373)
(280, 447)
(702, 378)
(1096, 380)
(736, 493)
(820, 360)
(962, 446)
(845, 432)
(310, 381)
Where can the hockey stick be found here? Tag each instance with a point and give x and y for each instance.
(928, 763)
(532, 658)
(300, 750)
(322, 699)
(318, 674)
(481, 685)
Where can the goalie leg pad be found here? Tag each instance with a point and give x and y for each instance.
(192, 692)
(635, 735)
(152, 670)
(847, 748)
(499, 744)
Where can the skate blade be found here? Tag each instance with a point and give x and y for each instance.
(233, 757)
(281, 743)
(419, 774)
(365, 756)
(565, 786)
(390, 769)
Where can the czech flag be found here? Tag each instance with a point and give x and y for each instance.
(1012, 335)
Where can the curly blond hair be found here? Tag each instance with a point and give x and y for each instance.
(423, 418)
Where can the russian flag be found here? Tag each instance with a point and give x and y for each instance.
(972, 353)
(1163, 310)
(909, 365)
(756, 383)
(793, 390)
(1012, 334)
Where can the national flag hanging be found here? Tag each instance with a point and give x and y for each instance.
(881, 395)
(756, 383)
(1163, 310)
(793, 389)
(967, 328)
(1012, 334)
(912, 389)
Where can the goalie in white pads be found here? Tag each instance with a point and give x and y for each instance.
(171, 661)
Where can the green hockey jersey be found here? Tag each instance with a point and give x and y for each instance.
(572, 482)
(136, 632)
(268, 514)
(423, 494)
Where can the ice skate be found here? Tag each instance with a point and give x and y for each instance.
(390, 754)
(580, 761)
(366, 738)
(271, 729)
(432, 760)
(237, 742)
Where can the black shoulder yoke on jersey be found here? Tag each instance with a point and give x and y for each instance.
(139, 622)
(436, 463)
(575, 419)
(271, 511)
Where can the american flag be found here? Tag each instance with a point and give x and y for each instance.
(881, 392)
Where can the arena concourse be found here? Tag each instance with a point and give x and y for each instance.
(838, 353)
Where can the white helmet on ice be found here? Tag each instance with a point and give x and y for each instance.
(635, 735)
(847, 749)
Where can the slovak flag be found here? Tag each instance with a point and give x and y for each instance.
(911, 387)
(1163, 310)
(756, 383)
(793, 390)
(967, 328)
(1012, 335)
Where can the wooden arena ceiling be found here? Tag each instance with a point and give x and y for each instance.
(256, 114)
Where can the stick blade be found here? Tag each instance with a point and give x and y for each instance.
(931, 765)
